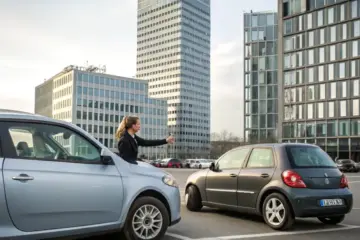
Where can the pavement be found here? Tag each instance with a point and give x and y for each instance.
(212, 224)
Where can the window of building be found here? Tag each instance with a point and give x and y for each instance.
(356, 28)
(311, 39)
(322, 91)
(355, 107)
(355, 48)
(330, 16)
(322, 36)
(310, 56)
(332, 52)
(355, 127)
(341, 70)
(353, 68)
(309, 21)
(344, 31)
(320, 18)
(333, 33)
(344, 128)
(333, 90)
(355, 9)
(310, 111)
(343, 51)
(343, 106)
(342, 12)
(331, 71)
(331, 109)
(331, 128)
(356, 87)
(310, 75)
(320, 109)
(311, 93)
(321, 55)
(321, 73)
(343, 89)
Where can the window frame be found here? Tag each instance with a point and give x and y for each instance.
(233, 150)
(10, 149)
(245, 166)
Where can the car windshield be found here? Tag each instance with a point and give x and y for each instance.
(309, 157)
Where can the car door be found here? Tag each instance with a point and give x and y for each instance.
(54, 178)
(221, 183)
(256, 173)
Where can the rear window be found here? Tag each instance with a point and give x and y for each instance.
(309, 157)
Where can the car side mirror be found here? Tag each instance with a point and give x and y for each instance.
(105, 158)
(212, 166)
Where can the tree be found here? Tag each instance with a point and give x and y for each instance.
(223, 142)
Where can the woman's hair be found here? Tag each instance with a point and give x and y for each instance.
(125, 124)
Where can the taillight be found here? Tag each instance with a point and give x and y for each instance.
(344, 183)
(293, 179)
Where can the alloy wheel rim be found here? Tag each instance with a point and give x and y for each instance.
(147, 222)
(275, 211)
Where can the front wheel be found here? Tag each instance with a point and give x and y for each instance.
(277, 212)
(148, 219)
(200, 167)
(193, 199)
(332, 220)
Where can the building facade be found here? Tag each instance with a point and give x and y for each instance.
(97, 102)
(260, 76)
(173, 55)
(319, 70)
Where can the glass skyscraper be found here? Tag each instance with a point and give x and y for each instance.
(173, 54)
(260, 76)
(319, 43)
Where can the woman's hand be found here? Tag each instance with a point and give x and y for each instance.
(170, 139)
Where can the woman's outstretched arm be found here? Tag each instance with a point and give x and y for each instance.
(150, 143)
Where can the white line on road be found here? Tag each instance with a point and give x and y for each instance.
(177, 236)
(352, 176)
(272, 234)
(354, 182)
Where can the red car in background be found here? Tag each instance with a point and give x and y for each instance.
(171, 163)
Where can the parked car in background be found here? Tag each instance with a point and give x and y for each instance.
(155, 163)
(188, 162)
(58, 181)
(200, 163)
(277, 181)
(171, 163)
(347, 165)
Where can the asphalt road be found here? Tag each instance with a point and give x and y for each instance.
(211, 224)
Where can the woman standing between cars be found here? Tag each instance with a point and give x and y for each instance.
(129, 141)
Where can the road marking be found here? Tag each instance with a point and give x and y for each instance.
(352, 176)
(272, 234)
(356, 208)
(174, 235)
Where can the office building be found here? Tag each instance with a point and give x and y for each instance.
(260, 76)
(319, 43)
(173, 55)
(97, 102)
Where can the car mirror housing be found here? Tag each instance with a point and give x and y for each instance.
(212, 167)
(105, 157)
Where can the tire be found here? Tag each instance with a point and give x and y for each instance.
(128, 231)
(332, 220)
(193, 199)
(200, 167)
(286, 212)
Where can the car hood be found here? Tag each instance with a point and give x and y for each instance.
(193, 177)
(146, 169)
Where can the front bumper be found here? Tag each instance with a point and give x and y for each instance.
(174, 205)
(305, 202)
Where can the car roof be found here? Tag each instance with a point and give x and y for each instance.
(276, 145)
(8, 114)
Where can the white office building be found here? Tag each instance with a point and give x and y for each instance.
(97, 102)
(173, 54)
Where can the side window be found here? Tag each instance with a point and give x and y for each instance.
(261, 158)
(233, 159)
(47, 142)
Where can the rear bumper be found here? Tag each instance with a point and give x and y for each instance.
(305, 202)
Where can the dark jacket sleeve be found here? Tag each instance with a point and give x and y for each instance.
(149, 143)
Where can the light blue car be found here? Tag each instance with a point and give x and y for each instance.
(57, 181)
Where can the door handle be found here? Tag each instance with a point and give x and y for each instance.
(23, 177)
(264, 175)
(233, 175)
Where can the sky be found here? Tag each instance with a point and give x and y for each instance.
(38, 38)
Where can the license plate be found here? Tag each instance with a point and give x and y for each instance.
(331, 202)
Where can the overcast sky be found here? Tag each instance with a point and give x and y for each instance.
(38, 38)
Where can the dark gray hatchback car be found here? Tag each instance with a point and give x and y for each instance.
(278, 181)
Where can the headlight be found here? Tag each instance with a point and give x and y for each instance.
(170, 180)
